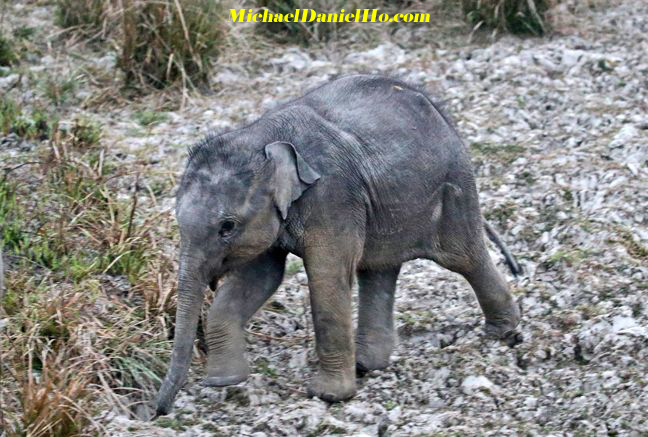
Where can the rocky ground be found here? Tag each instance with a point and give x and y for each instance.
(558, 128)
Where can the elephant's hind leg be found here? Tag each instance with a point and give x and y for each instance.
(375, 336)
(459, 245)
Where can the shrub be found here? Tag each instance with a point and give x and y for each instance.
(167, 41)
(514, 16)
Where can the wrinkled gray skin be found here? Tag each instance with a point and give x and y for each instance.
(356, 177)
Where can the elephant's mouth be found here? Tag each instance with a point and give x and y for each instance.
(213, 282)
(228, 263)
(216, 276)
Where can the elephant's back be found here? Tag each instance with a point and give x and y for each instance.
(377, 104)
(404, 148)
(399, 130)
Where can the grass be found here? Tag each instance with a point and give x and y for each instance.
(293, 267)
(513, 16)
(85, 134)
(8, 56)
(88, 293)
(303, 33)
(263, 366)
(36, 125)
(60, 90)
(174, 424)
(93, 19)
(162, 42)
(501, 214)
(502, 153)
(150, 118)
(567, 257)
(635, 249)
(167, 41)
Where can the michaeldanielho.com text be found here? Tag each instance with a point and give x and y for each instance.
(310, 15)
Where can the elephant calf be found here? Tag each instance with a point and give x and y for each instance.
(356, 177)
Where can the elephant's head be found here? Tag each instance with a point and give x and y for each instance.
(230, 206)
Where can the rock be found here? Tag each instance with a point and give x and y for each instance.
(9, 81)
(292, 60)
(475, 383)
(626, 133)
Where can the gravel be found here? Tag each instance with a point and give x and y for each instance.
(559, 133)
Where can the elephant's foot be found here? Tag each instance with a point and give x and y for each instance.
(332, 388)
(223, 373)
(504, 327)
(373, 352)
(222, 381)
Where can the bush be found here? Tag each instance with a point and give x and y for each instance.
(514, 16)
(167, 41)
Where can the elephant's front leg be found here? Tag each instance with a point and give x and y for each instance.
(330, 276)
(242, 293)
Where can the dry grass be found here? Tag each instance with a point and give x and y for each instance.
(89, 288)
(162, 42)
(93, 19)
(514, 16)
(169, 41)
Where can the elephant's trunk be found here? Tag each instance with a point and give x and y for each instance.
(190, 297)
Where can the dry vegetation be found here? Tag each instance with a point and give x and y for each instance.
(72, 331)
(515, 16)
(169, 41)
(90, 305)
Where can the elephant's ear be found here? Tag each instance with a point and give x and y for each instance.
(292, 175)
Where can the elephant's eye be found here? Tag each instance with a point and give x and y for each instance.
(226, 228)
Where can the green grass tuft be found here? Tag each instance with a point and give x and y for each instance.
(293, 267)
(59, 90)
(85, 134)
(8, 55)
(150, 118)
(91, 18)
(514, 16)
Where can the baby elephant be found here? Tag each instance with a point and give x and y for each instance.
(356, 177)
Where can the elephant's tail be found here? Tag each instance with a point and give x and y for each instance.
(510, 259)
